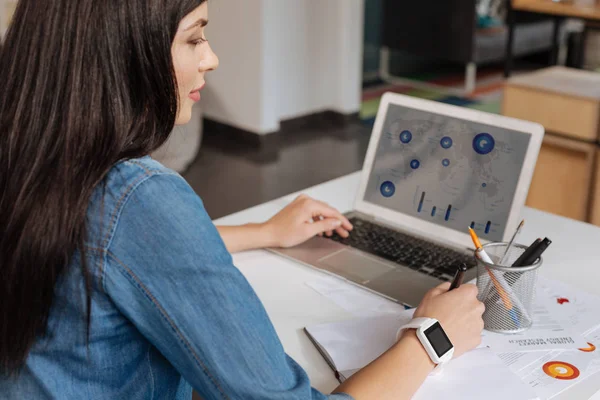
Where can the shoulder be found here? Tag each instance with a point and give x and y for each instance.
(146, 183)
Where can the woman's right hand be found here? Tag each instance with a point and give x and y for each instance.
(459, 313)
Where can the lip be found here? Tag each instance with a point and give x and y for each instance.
(199, 88)
(195, 94)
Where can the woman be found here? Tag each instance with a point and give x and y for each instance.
(115, 283)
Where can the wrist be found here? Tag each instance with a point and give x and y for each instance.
(409, 339)
(267, 236)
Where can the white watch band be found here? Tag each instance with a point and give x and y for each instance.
(421, 325)
(414, 323)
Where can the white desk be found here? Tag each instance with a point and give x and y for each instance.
(573, 258)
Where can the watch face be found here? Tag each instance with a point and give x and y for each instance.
(438, 339)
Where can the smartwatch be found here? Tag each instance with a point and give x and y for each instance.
(432, 337)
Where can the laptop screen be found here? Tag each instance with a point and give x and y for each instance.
(451, 172)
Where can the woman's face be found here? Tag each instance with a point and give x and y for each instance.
(192, 58)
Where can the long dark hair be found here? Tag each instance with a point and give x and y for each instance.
(86, 83)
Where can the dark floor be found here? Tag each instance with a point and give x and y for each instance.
(230, 177)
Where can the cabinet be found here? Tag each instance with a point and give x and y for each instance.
(567, 103)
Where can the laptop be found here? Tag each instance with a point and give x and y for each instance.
(431, 171)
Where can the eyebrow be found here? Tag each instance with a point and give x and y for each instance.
(201, 22)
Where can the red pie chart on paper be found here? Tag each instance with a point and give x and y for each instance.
(560, 370)
(589, 349)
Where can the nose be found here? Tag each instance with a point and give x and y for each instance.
(210, 61)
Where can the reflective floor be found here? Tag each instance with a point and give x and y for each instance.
(230, 176)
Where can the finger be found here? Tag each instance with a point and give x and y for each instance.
(440, 289)
(318, 207)
(320, 218)
(301, 197)
(480, 308)
(342, 232)
(469, 289)
(328, 224)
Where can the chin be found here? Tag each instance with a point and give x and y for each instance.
(184, 117)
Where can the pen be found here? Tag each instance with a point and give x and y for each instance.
(458, 277)
(527, 253)
(533, 256)
(504, 258)
(512, 241)
(497, 280)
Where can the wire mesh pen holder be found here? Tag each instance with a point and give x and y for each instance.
(507, 292)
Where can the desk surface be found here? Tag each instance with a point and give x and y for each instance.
(586, 9)
(292, 305)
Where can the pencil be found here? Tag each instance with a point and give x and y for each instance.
(503, 295)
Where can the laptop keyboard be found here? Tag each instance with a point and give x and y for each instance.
(417, 254)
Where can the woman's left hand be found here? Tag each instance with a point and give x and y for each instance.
(303, 219)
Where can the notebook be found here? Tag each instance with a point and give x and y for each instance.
(348, 346)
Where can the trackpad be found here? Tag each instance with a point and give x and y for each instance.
(355, 266)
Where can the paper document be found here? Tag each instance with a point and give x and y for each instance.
(351, 345)
(557, 371)
(533, 340)
(353, 299)
(578, 308)
(355, 343)
(550, 373)
(518, 361)
(548, 332)
(478, 374)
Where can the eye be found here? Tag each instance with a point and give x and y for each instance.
(198, 41)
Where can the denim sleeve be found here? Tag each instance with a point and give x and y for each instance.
(168, 271)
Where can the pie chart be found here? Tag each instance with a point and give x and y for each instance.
(589, 349)
(560, 370)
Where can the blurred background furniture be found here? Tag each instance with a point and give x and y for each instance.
(566, 102)
(586, 10)
(595, 219)
(447, 31)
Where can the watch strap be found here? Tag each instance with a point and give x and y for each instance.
(414, 323)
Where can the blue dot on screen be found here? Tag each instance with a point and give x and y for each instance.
(387, 189)
(445, 162)
(446, 142)
(484, 143)
(484, 185)
(405, 137)
(414, 164)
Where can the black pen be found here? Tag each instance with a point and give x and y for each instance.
(539, 249)
(527, 253)
(458, 277)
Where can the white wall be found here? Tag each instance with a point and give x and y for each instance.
(282, 59)
(7, 8)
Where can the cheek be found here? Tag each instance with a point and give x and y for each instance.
(184, 73)
(187, 75)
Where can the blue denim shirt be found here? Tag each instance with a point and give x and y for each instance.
(168, 307)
